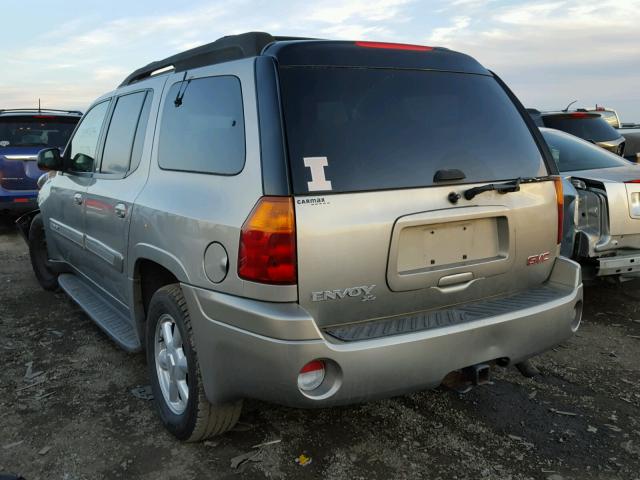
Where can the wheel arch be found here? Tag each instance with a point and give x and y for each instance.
(23, 223)
(151, 269)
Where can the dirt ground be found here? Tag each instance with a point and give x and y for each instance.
(67, 410)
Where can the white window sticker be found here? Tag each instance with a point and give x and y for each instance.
(318, 180)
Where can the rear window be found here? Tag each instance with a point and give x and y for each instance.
(362, 129)
(36, 131)
(590, 128)
(571, 153)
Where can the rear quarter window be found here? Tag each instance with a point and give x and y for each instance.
(202, 127)
(387, 129)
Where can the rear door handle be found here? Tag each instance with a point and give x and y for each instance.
(120, 209)
(457, 287)
(455, 279)
(77, 198)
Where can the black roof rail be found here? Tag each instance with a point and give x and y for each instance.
(39, 110)
(231, 47)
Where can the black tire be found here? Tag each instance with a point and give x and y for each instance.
(47, 278)
(200, 420)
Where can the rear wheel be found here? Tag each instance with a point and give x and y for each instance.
(47, 278)
(175, 373)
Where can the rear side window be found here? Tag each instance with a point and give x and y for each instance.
(371, 129)
(593, 128)
(202, 127)
(36, 131)
(571, 153)
(122, 128)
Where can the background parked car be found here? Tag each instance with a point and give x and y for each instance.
(602, 207)
(589, 126)
(630, 131)
(23, 133)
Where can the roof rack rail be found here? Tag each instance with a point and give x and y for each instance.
(231, 47)
(39, 110)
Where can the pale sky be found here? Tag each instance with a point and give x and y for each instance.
(549, 52)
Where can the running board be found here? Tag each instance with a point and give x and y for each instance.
(108, 318)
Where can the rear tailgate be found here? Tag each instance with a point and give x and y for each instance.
(378, 232)
(377, 254)
(18, 170)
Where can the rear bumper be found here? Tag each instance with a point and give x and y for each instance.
(251, 362)
(15, 201)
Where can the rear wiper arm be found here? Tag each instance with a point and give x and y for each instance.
(506, 187)
(510, 186)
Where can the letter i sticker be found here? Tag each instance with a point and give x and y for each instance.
(318, 180)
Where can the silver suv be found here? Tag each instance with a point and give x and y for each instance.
(308, 222)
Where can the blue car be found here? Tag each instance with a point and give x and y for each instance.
(23, 133)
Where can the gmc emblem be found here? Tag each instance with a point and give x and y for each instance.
(536, 259)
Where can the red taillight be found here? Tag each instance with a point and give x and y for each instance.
(395, 46)
(633, 181)
(20, 200)
(267, 251)
(557, 181)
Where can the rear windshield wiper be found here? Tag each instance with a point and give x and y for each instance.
(506, 187)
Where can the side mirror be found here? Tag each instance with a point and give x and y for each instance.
(82, 163)
(50, 159)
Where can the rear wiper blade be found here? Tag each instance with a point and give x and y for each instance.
(506, 187)
(510, 186)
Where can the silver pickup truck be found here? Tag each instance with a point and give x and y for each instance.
(308, 222)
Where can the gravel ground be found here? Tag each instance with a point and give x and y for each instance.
(75, 417)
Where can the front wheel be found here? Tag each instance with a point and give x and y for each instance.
(175, 374)
(47, 278)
